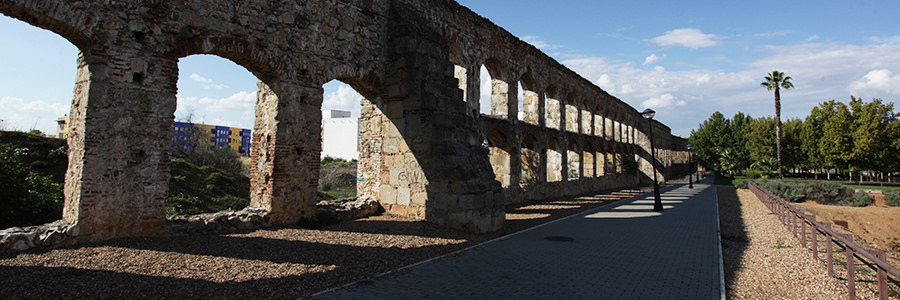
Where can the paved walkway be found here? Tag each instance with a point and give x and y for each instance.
(624, 250)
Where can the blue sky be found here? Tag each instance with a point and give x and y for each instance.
(685, 59)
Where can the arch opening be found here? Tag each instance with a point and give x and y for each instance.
(552, 112)
(459, 70)
(528, 101)
(572, 115)
(573, 169)
(498, 149)
(554, 162)
(340, 158)
(34, 121)
(494, 96)
(212, 135)
(531, 160)
(587, 157)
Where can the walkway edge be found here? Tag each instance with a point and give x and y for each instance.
(719, 238)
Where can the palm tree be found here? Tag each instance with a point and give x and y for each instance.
(776, 80)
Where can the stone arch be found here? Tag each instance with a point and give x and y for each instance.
(552, 108)
(499, 151)
(495, 103)
(55, 17)
(571, 113)
(587, 117)
(529, 100)
(459, 69)
(531, 160)
(71, 126)
(573, 165)
(247, 55)
(554, 161)
(587, 158)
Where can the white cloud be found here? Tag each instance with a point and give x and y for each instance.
(704, 79)
(662, 101)
(877, 81)
(540, 44)
(344, 98)
(812, 38)
(687, 37)
(198, 78)
(239, 101)
(21, 114)
(774, 33)
(207, 82)
(887, 39)
(820, 71)
(652, 59)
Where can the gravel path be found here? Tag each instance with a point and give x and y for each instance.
(762, 258)
(282, 263)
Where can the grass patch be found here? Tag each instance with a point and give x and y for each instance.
(729, 180)
(338, 192)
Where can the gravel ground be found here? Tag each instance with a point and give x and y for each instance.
(279, 263)
(763, 260)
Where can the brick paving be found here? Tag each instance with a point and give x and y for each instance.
(624, 250)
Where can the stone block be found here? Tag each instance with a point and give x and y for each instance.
(403, 196)
(387, 194)
(419, 198)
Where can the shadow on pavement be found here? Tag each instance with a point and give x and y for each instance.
(733, 233)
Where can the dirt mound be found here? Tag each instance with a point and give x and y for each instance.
(879, 226)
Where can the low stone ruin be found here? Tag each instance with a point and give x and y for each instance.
(59, 233)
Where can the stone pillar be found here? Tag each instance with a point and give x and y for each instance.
(287, 143)
(432, 160)
(121, 136)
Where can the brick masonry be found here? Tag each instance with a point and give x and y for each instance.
(425, 150)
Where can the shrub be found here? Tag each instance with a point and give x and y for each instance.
(861, 199)
(892, 197)
(826, 192)
(26, 198)
(822, 192)
(203, 189)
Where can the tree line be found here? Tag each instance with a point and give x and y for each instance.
(858, 139)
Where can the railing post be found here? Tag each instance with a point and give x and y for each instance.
(793, 223)
(851, 271)
(802, 221)
(882, 276)
(815, 237)
(829, 260)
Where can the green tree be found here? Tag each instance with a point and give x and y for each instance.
(708, 140)
(810, 135)
(871, 138)
(738, 139)
(836, 144)
(776, 80)
(792, 143)
(760, 142)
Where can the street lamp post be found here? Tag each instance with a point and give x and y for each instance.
(690, 167)
(657, 201)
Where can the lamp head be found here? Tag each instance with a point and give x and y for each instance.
(648, 113)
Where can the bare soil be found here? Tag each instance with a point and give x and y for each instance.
(876, 226)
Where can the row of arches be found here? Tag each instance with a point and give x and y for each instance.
(491, 94)
(537, 161)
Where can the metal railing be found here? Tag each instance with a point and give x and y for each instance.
(806, 229)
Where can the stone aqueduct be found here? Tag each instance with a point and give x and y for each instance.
(425, 150)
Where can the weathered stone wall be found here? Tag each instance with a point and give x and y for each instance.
(425, 150)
